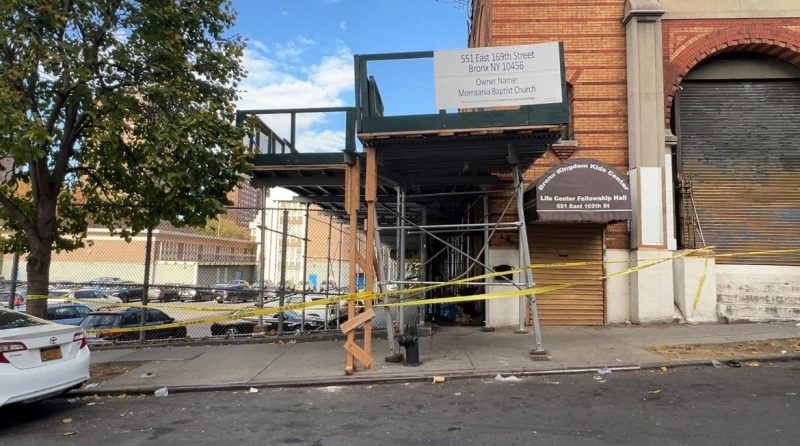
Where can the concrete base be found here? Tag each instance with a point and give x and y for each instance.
(503, 312)
(394, 358)
(758, 293)
(518, 331)
(652, 297)
(687, 275)
(488, 329)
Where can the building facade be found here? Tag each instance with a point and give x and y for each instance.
(179, 256)
(696, 103)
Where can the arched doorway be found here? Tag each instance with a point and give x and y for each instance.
(737, 119)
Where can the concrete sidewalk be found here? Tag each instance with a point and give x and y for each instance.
(452, 351)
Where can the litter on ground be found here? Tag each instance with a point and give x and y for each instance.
(510, 378)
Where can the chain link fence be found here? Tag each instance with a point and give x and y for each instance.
(245, 259)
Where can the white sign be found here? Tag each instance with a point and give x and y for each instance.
(499, 76)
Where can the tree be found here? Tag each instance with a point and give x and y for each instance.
(117, 112)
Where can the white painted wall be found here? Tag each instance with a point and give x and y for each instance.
(688, 272)
(174, 272)
(503, 312)
(758, 293)
(652, 298)
(618, 289)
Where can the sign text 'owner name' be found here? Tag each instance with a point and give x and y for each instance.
(498, 76)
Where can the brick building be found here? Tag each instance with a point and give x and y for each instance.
(246, 202)
(697, 102)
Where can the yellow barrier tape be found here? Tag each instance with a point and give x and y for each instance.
(36, 297)
(700, 284)
(242, 313)
(238, 315)
(531, 291)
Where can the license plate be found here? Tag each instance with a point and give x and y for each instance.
(51, 354)
(92, 335)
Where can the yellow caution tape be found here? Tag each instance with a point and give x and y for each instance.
(700, 284)
(36, 297)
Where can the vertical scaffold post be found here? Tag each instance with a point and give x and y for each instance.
(525, 257)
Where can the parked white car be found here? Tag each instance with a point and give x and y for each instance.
(39, 359)
(94, 299)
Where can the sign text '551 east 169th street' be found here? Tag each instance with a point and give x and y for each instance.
(498, 76)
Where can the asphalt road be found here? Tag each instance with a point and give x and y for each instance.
(687, 406)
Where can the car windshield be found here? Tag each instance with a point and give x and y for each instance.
(101, 320)
(12, 319)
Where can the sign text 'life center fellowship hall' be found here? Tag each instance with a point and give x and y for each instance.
(498, 76)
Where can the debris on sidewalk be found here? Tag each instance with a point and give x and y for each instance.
(162, 392)
(663, 369)
(510, 378)
(716, 364)
(439, 379)
(92, 385)
(745, 349)
(73, 400)
(655, 392)
(68, 434)
(734, 364)
(753, 364)
(253, 390)
(599, 379)
(66, 420)
(603, 371)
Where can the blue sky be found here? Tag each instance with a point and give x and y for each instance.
(300, 54)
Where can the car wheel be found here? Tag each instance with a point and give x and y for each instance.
(234, 300)
(232, 331)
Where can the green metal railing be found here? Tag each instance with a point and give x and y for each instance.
(274, 141)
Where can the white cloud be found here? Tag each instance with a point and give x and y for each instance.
(271, 83)
(343, 25)
(305, 40)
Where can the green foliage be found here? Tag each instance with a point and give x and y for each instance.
(226, 228)
(119, 112)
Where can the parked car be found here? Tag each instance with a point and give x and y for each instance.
(292, 321)
(164, 293)
(110, 318)
(93, 299)
(20, 297)
(39, 359)
(69, 313)
(195, 294)
(270, 290)
(235, 293)
(129, 292)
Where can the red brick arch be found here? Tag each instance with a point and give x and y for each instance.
(775, 40)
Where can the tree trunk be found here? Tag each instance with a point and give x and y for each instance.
(38, 268)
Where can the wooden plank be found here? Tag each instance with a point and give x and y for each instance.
(359, 354)
(452, 132)
(351, 324)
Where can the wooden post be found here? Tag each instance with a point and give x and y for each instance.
(352, 199)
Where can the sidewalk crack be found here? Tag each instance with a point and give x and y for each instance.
(270, 363)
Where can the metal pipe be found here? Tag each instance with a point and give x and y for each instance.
(445, 194)
(382, 283)
(449, 231)
(328, 269)
(526, 258)
(454, 226)
(148, 254)
(434, 236)
(305, 269)
(282, 289)
(485, 249)
(401, 255)
(423, 272)
(411, 282)
(263, 269)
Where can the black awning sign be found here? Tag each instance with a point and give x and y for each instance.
(580, 190)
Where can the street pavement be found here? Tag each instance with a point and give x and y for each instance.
(683, 406)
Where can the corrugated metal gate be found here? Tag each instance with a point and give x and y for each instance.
(583, 304)
(740, 149)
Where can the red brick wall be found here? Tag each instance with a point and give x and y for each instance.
(594, 47)
(688, 42)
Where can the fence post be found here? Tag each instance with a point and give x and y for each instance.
(14, 273)
(263, 257)
(305, 267)
(282, 290)
(148, 253)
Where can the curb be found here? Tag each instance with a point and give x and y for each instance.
(373, 380)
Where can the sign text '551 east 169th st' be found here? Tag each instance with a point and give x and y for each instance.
(498, 76)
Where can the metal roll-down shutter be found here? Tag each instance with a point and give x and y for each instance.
(583, 304)
(740, 148)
